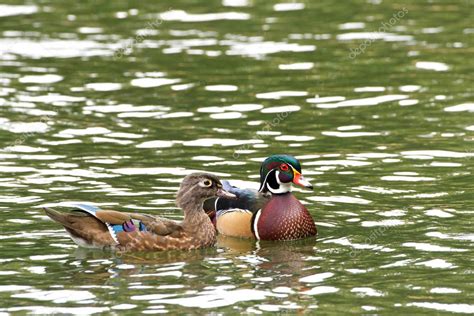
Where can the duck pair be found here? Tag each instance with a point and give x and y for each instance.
(270, 213)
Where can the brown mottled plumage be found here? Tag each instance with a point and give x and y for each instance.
(195, 231)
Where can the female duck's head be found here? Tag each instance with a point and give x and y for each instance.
(278, 172)
(198, 187)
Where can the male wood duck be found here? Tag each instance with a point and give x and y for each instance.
(89, 226)
(272, 212)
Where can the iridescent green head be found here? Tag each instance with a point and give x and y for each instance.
(278, 172)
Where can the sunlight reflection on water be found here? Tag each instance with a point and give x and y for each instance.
(385, 138)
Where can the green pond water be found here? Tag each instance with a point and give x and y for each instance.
(113, 102)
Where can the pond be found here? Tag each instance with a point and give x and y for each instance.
(112, 103)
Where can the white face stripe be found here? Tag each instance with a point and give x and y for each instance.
(282, 187)
(265, 181)
(278, 180)
(277, 176)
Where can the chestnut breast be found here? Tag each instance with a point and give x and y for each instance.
(283, 217)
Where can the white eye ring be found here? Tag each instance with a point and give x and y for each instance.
(206, 183)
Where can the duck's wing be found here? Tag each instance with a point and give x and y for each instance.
(233, 217)
(160, 226)
(145, 222)
(90, 226)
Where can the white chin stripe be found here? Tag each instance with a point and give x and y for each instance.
(282, 187)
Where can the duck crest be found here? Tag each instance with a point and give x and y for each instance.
(277, 173)
(283, 217)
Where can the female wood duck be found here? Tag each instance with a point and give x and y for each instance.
(272, 212)
(92, 227)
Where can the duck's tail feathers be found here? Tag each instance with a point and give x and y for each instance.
(57, 216)
(84, 230)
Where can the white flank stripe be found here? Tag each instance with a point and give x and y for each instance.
(255, 224)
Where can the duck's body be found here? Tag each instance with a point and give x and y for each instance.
(95, 228)
(92, 227)
(272, 212)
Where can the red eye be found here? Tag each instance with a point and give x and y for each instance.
(284, 167)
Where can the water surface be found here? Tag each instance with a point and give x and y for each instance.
(113, 103)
